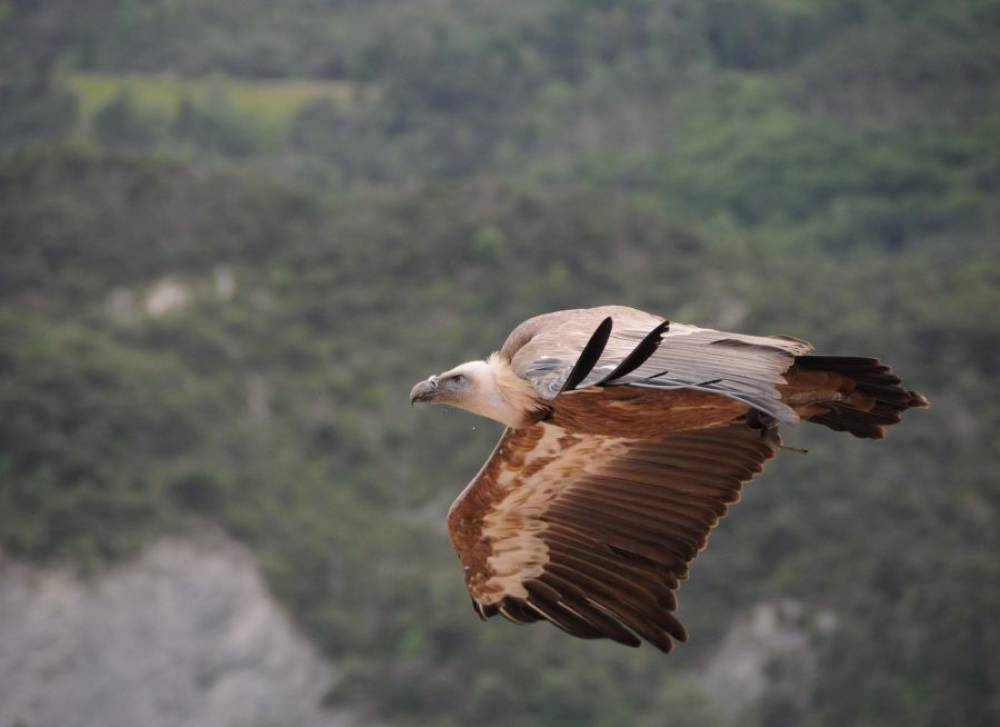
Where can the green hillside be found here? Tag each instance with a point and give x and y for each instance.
(205, 320)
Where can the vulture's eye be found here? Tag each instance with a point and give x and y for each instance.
(456, 379)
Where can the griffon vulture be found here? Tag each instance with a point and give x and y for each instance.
(628, 437)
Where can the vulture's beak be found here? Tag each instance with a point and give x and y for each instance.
(424, 391)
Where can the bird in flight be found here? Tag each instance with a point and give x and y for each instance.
(628, 436)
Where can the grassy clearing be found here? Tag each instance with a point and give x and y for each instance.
(272, 104)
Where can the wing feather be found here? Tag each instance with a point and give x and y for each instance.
(593, 533)
(589, 357)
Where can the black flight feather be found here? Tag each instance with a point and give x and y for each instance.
(639, 354)
(589, 356)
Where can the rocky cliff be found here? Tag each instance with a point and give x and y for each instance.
(186, 634)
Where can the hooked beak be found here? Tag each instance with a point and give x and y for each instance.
(424, 391)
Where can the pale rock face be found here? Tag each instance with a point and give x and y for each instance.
(185, 635)
(224, 282)
(166, 296)
(782, 633)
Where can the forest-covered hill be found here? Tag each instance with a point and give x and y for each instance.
(212, 308)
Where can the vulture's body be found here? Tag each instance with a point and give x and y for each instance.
(627, 438)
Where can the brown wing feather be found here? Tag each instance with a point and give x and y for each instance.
(593, 532)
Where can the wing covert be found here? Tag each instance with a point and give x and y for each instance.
(646, 351)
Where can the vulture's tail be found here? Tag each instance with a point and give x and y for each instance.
(867, 398)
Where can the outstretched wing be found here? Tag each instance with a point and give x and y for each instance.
(593, 532)
(615, 346)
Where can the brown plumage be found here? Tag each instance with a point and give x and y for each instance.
(627, 438)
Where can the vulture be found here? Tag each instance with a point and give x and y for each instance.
(627, 437)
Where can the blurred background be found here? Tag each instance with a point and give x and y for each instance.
(235, 232)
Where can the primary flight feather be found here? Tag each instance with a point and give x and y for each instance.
(628, 436)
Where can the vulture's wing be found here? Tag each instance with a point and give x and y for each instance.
(593, 533)
(616, 346)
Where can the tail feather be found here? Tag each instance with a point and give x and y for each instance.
(876, 401)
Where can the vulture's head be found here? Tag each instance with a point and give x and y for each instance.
(459, 387)
(475, 386)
